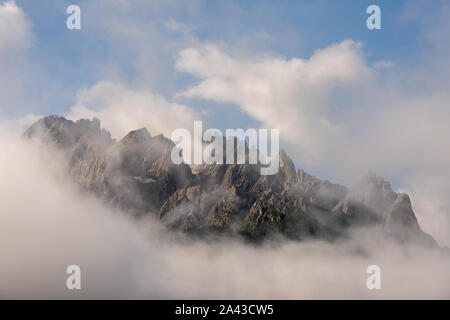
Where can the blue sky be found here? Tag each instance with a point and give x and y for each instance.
(288, 28)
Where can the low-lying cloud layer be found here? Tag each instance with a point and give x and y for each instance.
(46, 225)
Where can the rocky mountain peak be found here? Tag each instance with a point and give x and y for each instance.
(65, 133)
(137, 175)
(401, 213)
(136, 137)
(287, 167)
(401, 222)
(375, 193)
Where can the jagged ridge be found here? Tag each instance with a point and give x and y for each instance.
(137, 174)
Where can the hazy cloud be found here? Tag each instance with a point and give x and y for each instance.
(15, 28)
(15, 38)
(46, 225)
(122, 109)
(293, 95)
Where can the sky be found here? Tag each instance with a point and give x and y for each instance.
(347, 100)
(137, 42)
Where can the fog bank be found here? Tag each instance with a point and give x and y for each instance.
(46, 225)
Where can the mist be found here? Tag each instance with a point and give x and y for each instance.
(46, 224)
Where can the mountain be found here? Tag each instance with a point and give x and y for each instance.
(137, 175)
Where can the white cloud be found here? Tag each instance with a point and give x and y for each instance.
(293, 95)
(15, 28)
(122, 109)
(15, 68)
(18, 125)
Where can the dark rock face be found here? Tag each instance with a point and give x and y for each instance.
(137, 175)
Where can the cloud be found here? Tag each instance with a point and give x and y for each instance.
(15, 28)
(46, 225)
(24, 85)
(122, 109)
(19, 124)
(293, 95)
(15, 38)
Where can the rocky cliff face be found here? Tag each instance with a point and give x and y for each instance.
(137, 175)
